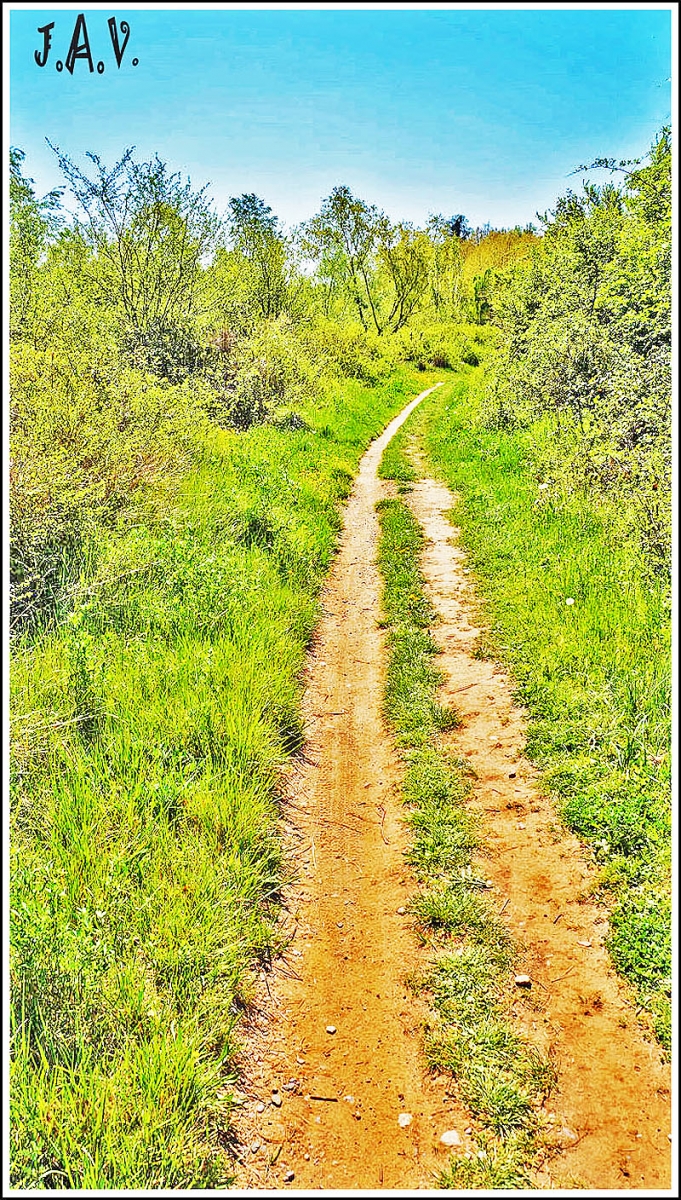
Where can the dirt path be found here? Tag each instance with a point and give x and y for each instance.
(612, 1105)
(333, 1119)
(337, 1127)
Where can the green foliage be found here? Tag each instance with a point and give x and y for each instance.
(84, 439)
(344, 236)
(31, 222)
(262, 256)
(146, 234)
(587, 341)
(387, 275)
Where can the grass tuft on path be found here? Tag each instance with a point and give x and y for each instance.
(501, 1079)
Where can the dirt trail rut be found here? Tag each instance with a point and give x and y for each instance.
(336, 1036)
(612, 1105)
(352, 946)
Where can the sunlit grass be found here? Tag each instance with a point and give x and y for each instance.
(149, 730)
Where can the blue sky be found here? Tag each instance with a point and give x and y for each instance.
(482, 111)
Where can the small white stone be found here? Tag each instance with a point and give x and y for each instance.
(331, 1029)
(450, 1138)
(404, 1119)
(569, 600)
(401, 912)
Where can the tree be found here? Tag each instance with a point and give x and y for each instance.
(458, 227)
(256, 235)
(406, 254)
(149, 235)
(445, 267)
(32, 223)
(348, 225)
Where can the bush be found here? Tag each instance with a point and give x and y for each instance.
(587, 345)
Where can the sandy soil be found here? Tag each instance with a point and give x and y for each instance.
(335, 1090)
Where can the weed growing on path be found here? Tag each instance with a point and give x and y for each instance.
(501, 1079)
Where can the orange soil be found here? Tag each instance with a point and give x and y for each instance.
(333, 1122)
(612, 1103)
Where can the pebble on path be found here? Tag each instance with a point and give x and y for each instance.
(450, 1138)
(404, 1119)
(331, 1029)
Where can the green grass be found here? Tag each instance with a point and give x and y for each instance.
(397, 466)
(149, 729)
(584, 626)
(501, 1079)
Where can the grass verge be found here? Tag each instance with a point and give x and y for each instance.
(148, 731)
(501, 1079)
(584, 626)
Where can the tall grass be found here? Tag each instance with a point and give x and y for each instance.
(149, 728)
